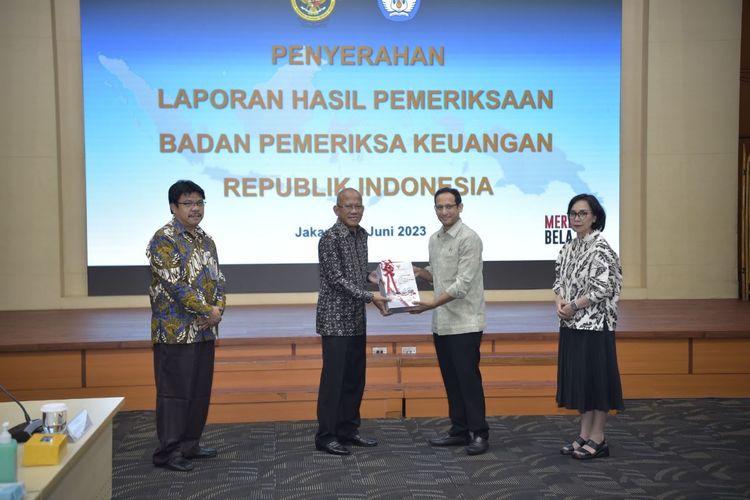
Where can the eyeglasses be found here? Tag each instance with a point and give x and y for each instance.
(449, 206)
(579, 215)
(352, 208)
(191, 203)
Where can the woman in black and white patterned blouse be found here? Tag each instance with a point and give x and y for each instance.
(588, 281)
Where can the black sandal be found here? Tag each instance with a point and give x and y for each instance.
(568, 449)
(592, 450)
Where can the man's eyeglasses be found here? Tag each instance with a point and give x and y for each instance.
(191, 203)
(579, 215)
(352, 208)
(448, 206)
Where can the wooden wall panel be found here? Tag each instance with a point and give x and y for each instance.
(267, 365)
(428, 347)
(381, 408)
(380, 374)
(373, 406)
(136, 398)
(523, 346)
(494, 373)
(271, 395)
(255, 351)
(263, 412)
(422, 347)
(495, 406)
(292, 373)
(490, 373)
(41, 370)
(259, 379)
(47, 395)
(525, 406)
(433, 407)
(421, 374)
(545, 389)
(437, 407)
(686, 386)
(125, 367)
(721, 356)
(309, 349)
(653, 356)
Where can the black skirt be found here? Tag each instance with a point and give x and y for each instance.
(587, 374)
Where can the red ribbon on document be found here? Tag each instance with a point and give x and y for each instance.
(388, 270)
(387, 267)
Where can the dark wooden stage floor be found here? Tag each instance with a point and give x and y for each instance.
(116, 328)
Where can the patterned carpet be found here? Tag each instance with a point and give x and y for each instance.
(667, 449)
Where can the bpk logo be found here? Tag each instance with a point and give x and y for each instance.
(399, 10)
(313, 10)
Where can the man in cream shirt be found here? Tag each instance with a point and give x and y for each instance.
(458, 320)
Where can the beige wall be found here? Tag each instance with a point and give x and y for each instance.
(691, 148)
(680, 92)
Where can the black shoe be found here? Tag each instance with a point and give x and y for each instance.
(358, 440)
(177, 463)
(478, 446)
(334, 448)
(201, 452)
(448, 440)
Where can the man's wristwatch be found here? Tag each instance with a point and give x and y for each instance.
(573, 305)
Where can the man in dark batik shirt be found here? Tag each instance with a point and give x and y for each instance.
(342, 322)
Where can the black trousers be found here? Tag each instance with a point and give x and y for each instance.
(184, 375)
(458, 356)
(342, 383)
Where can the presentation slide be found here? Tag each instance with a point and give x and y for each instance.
(273, 106)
